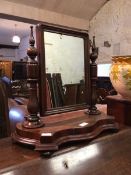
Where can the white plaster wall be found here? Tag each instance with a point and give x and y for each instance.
(24, 44)
(65, 54)
(112, 23)
(41, 15)
(16, 54)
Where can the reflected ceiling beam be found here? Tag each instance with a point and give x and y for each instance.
(8, 46)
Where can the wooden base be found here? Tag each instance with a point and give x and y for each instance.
(120, 108)
(62, 128)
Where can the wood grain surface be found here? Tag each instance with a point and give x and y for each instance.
(110, 155)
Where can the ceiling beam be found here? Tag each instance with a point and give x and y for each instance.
(8, 46)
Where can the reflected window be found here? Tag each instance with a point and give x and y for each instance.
(103, 70)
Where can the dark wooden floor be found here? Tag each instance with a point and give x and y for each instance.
(108, 155)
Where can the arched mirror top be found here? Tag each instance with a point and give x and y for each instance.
(63, 55)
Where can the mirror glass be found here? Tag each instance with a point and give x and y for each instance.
(64, 66)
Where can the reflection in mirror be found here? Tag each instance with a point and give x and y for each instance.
(64, 66)
(13, 56)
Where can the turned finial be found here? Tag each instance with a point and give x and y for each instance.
(93, 78)
(32, 51)
(94, 54)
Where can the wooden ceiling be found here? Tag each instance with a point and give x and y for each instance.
(84, 9)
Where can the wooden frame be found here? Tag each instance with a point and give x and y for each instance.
(40, 29)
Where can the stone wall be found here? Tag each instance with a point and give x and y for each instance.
(112, 28)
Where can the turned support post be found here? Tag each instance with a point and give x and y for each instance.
(93, 78)
(33, 119)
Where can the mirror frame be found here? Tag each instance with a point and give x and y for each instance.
(40, 29)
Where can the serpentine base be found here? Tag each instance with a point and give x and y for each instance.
(63, 128)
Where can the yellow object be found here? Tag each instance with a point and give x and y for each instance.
(120, 75)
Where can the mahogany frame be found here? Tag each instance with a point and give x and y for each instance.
(40, 29)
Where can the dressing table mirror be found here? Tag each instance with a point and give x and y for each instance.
(64, 68)
(47, 127)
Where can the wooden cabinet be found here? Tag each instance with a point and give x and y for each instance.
(120, 108)
(6, 68)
